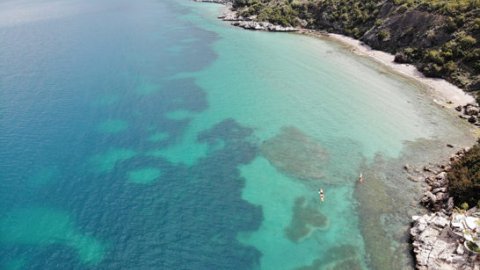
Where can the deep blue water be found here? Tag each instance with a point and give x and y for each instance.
(61, 77)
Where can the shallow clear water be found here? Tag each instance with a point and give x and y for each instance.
(149, 135)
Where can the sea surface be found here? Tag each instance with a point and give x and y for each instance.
(148, 134)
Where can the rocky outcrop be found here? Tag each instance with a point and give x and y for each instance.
(438, 237)
(249, 23)
(470, 112)
(263, 26)
(436, 197)
(439, 246)
(214, 1)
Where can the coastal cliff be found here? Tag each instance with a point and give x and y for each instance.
(441, 38)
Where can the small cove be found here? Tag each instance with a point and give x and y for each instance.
(160, 136)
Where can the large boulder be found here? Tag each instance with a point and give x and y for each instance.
(440, 221)
(429, 197)
(472, 119)
(441, 176)
(471, 109)
(440, 196)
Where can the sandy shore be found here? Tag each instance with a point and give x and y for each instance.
(443, 92)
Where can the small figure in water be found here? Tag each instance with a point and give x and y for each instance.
(322, 196)
(360, 178)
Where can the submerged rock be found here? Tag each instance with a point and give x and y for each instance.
(296, 154)
(337, 258)
(472, 119)
(305, 219)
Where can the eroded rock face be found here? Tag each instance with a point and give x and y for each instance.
(437, 246)
(419, 28)
(296, 154)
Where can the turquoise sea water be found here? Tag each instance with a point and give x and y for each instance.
(150, 135)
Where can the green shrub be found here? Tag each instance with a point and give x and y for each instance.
(356, 32)
(410, 54)
(384, 35)
(450, 67)
(476, 66)
(467, 41)
(473, 55)
(281, 13)
(447, 53)
(464, 178)
(450, 25)
(435, 56)
(476, 24)
(452, 44)
(378, 22)
(460, 20)
(432, 70)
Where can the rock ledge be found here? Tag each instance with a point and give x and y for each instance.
(439, 238)
(438, 244)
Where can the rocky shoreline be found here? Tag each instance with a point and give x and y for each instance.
(223, 2)
(438, 237)
(436, 197)
(438, 243)
(248, 23)
(470, 112)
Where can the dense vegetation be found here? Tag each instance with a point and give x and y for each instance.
(464, 179)
(441, 37)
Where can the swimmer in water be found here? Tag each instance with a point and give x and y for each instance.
(322, 196)
(360, 178)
